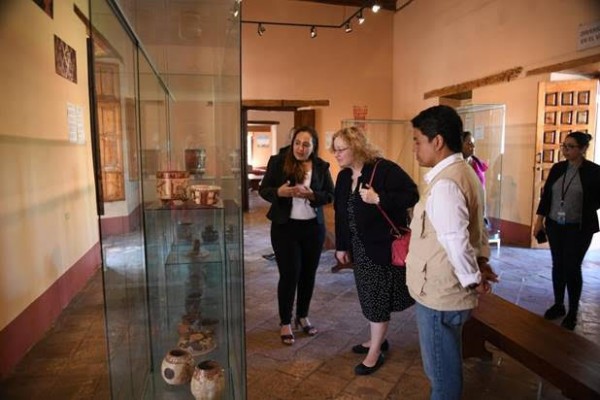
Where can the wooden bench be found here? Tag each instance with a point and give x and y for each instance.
(568, 361)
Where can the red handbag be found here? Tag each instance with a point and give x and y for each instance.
(401, 235)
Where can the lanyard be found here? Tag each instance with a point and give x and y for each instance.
(565, 189)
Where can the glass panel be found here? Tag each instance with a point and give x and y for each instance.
(487, 125)
(394, 139)
(124, 268)
(189, 292)
(550, 137)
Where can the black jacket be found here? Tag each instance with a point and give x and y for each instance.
(397, 193)
(589, 173)
(281, 207)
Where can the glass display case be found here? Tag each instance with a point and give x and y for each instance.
(394, 139)
(486, 122)
(172, 244)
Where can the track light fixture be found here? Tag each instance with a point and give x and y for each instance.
(346, 24)
(261, 29)
(360, 17)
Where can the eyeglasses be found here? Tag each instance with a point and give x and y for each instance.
(339, 151)
(568, 146)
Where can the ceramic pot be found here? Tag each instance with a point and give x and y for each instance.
(177, 367)
(209, 234)
(172, 185)
(208, 381)
(195, 160)
(205, 195)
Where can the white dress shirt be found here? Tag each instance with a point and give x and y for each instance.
(447, 210)
(301, 208)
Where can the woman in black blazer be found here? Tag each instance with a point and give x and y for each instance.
(363, 235)
(567, 208)
(297, 183)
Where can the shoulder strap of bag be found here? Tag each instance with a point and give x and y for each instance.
(389, 220)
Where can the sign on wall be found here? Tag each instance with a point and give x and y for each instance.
(589, 35)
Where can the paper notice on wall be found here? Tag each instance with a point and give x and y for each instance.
(589, 35)
(75, 124)
(72, 122)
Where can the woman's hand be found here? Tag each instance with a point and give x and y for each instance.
(304, 192)
(343, 257)
(368, 195)
(286, 190)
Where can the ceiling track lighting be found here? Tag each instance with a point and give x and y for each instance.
(346, 24)
(360, 17)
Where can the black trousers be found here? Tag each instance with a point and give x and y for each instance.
(568, 245)
(297, 245)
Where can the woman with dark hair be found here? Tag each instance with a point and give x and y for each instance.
(567, 209)
(363, 234)
(298, 184)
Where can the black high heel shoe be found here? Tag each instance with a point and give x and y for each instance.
(307, 328)
(362, 369)
(287, 339)
(360, 349)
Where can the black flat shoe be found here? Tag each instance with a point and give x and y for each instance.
(360, 349)
(569, 322)
(362, 369)
(556, 311)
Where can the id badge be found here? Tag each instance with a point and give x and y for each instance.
(561, 217)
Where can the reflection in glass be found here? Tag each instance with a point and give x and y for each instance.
(548, 156)
(550, 137)
(567, 99)
(566, 117)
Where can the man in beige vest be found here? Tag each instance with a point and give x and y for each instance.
(447, 263)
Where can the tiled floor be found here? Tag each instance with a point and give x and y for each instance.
(70, 362)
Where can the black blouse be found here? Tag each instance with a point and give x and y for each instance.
(397, 193)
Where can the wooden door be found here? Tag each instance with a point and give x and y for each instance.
(563, 107)
(304, 118)
(111, 151)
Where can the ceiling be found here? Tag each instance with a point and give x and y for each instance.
(385, 4)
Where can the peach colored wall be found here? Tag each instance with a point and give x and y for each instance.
(438, 43)
(48, 215)
(346, 69)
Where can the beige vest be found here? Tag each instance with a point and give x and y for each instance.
(430, 276)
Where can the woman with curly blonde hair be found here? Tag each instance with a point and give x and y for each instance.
(363, 234)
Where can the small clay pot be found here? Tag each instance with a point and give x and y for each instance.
(208, 381)
(177, 367)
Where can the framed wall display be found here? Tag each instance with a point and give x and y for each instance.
(583, 97)
(47, 6)
(65, 60)
(550, 118)
(551, 99)
(566, 117)
(549, 137)
(548, 156)
(582, 117)
(567, 99)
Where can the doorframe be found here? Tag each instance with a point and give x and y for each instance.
(265, 105)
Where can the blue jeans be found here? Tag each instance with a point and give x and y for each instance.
(440, 337)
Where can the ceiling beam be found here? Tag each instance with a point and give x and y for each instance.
(385, 4)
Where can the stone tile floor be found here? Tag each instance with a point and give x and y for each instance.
(70, 362)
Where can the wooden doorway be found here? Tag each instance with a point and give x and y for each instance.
(304, 115)
(563, 107)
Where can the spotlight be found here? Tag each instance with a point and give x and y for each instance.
(360, 18)
(348, 28)
(375, 7)
(261, 29)
(313, 32)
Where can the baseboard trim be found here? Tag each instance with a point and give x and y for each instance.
(32, 324)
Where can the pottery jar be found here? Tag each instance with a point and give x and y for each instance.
(208, 381)
(177, 367)
(172, 185)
